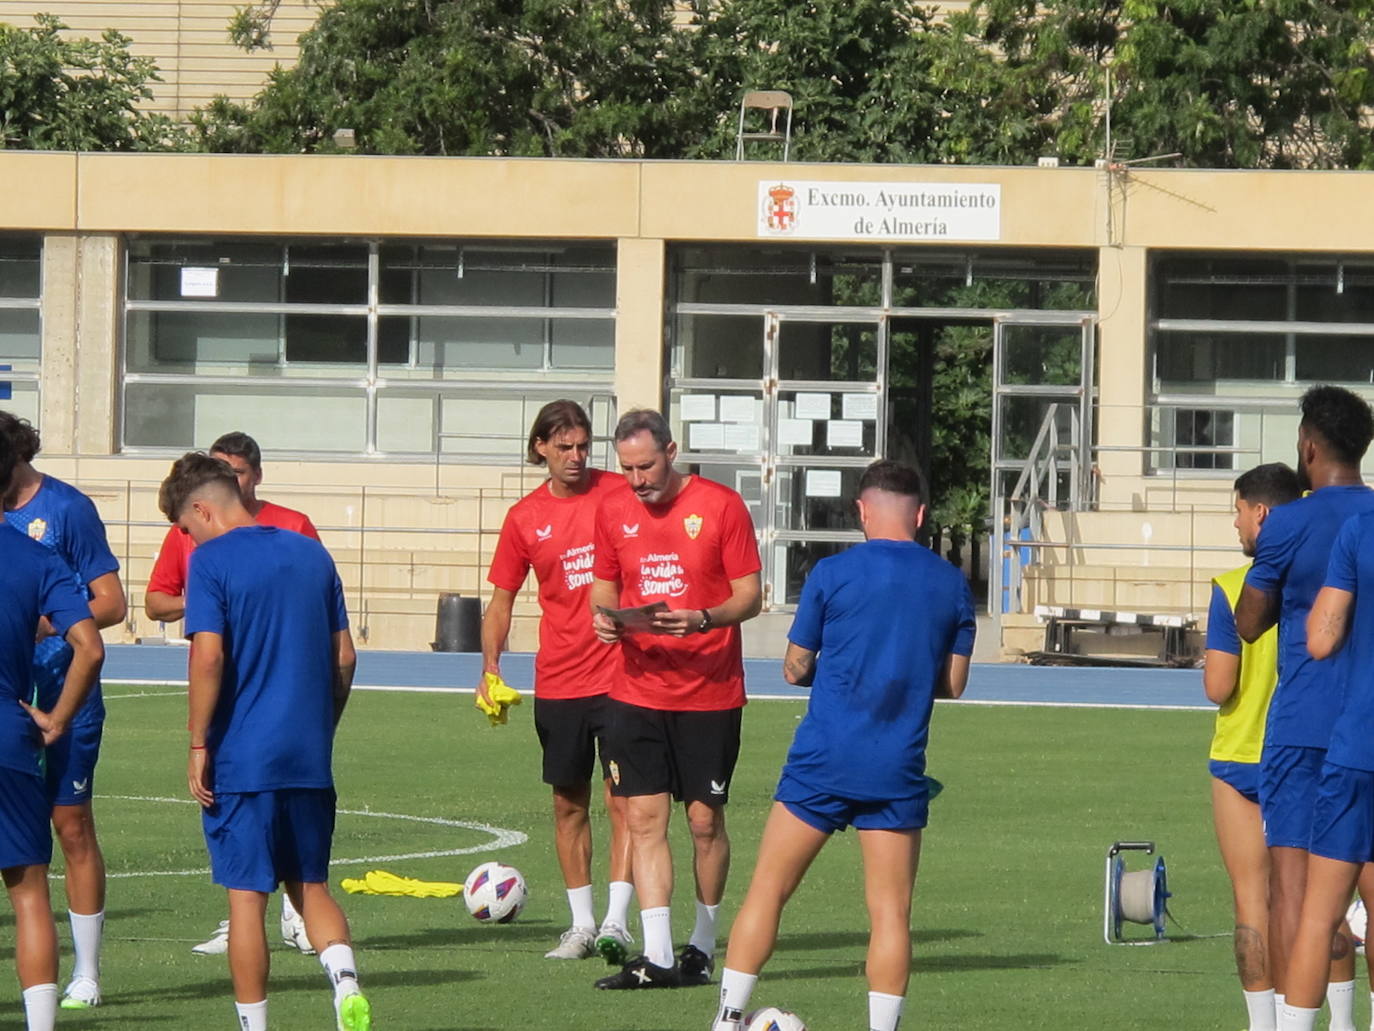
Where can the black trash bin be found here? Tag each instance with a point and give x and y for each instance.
(458, 624)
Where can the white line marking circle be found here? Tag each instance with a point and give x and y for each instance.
(500, 837)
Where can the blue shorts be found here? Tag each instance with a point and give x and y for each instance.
(25, 817)
(258, 839)
(70, 764)
(830, 813)
(1288, 789)
(1343, 815)
(1244, 777)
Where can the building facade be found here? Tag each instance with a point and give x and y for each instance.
(386, 328)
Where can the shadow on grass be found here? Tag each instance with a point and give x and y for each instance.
(462, 936)
(933, 965)
(842, 939)
(220, 987)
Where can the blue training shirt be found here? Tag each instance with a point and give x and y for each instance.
(1291, 557)
(60, 517)
(1352, 569)
(883, 617)
(1222, 635)
(276, 600)
(34, 582)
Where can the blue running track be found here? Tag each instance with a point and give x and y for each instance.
(989, 683)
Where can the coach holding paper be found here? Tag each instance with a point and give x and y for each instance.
(678, 694)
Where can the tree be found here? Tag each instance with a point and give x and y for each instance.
(582, 78)
(77, 94)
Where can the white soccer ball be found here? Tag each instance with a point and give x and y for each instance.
(495, 893)
(1358, 920)
(770, 1018)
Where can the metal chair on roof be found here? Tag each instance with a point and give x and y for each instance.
(778, 104)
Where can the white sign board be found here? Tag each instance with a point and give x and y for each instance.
(199, 282)
(812, 210)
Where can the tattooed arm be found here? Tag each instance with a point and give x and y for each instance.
(1327, 622)
(798, 665)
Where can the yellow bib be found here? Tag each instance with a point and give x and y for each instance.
(1239, 734)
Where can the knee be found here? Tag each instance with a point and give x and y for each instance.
(75, 833)
(568, 811)
(707, 826)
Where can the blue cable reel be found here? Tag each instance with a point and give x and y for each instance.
(1136, 896)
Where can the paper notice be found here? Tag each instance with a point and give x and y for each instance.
(738, 408)
(860, 406)
(200, 282)
(705, 436)
(822, 483)
(844, 433)
(698, 407)
(797, 432)
(741, 437)
(813, 406)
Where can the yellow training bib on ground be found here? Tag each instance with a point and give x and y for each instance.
(1239, 734)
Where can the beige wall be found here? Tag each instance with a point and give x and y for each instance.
(188, 39)
(86, 204)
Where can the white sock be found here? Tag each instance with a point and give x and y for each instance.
(288, 911)
(735, 989)
(1371, 1006)
(1260, 1007)
(1278, 1006)
(252, 1015)
(1296, 1018)
(86, 931)
(884, 1011)
(580, 902)
(704, 933)
(339, 964)
(40, 1007)
(1340, 996)
(618, 905)
(658, 935)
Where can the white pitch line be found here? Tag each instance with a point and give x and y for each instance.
(501, 838)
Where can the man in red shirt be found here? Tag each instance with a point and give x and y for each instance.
(687, 544)
(165, 600)
(551, 530)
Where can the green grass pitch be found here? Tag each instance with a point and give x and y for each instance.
(1007, 920)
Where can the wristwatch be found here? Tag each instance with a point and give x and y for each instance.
(706, 622)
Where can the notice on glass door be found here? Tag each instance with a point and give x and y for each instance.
(822, 483)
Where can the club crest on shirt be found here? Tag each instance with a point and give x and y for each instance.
(692, 524)
(543, 534)
(37, 528)
(614, 767)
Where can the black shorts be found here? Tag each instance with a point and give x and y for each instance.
(570, 732)
(690, 755)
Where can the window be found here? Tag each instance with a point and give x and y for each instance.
(1203, 429)
(21, 335)
(360, 347)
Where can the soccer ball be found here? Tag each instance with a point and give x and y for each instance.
(770, 1018)
(1358, 920)
(495, 893)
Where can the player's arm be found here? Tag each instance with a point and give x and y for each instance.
(1220, 674)
(745, 602)
(605, 594)
(206, 670)
(798, 665)
(495, 630)
(953, 677)
(1256, 612)
(108, 604)
(165, 598)
(1327, 622)
(88, 654)
(165, 608)
(345, 665)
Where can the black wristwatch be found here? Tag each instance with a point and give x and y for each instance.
(706, 623)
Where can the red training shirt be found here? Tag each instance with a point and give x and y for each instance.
(169, 571)
(555, 537)
(684, 553)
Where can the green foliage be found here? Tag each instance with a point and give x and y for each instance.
(585, 78)
(250, 27)
(76, 94)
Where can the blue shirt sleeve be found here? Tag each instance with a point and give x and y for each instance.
(88, 550)
(1274, 551)
(61, 602)
(1342, 570)
(967, 625)
(206, 603)
(338, 611)
(810, 617)
(1221, 624)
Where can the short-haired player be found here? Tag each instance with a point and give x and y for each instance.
(61, 518)
(271, 667)
(876, 662)
(37, 586)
